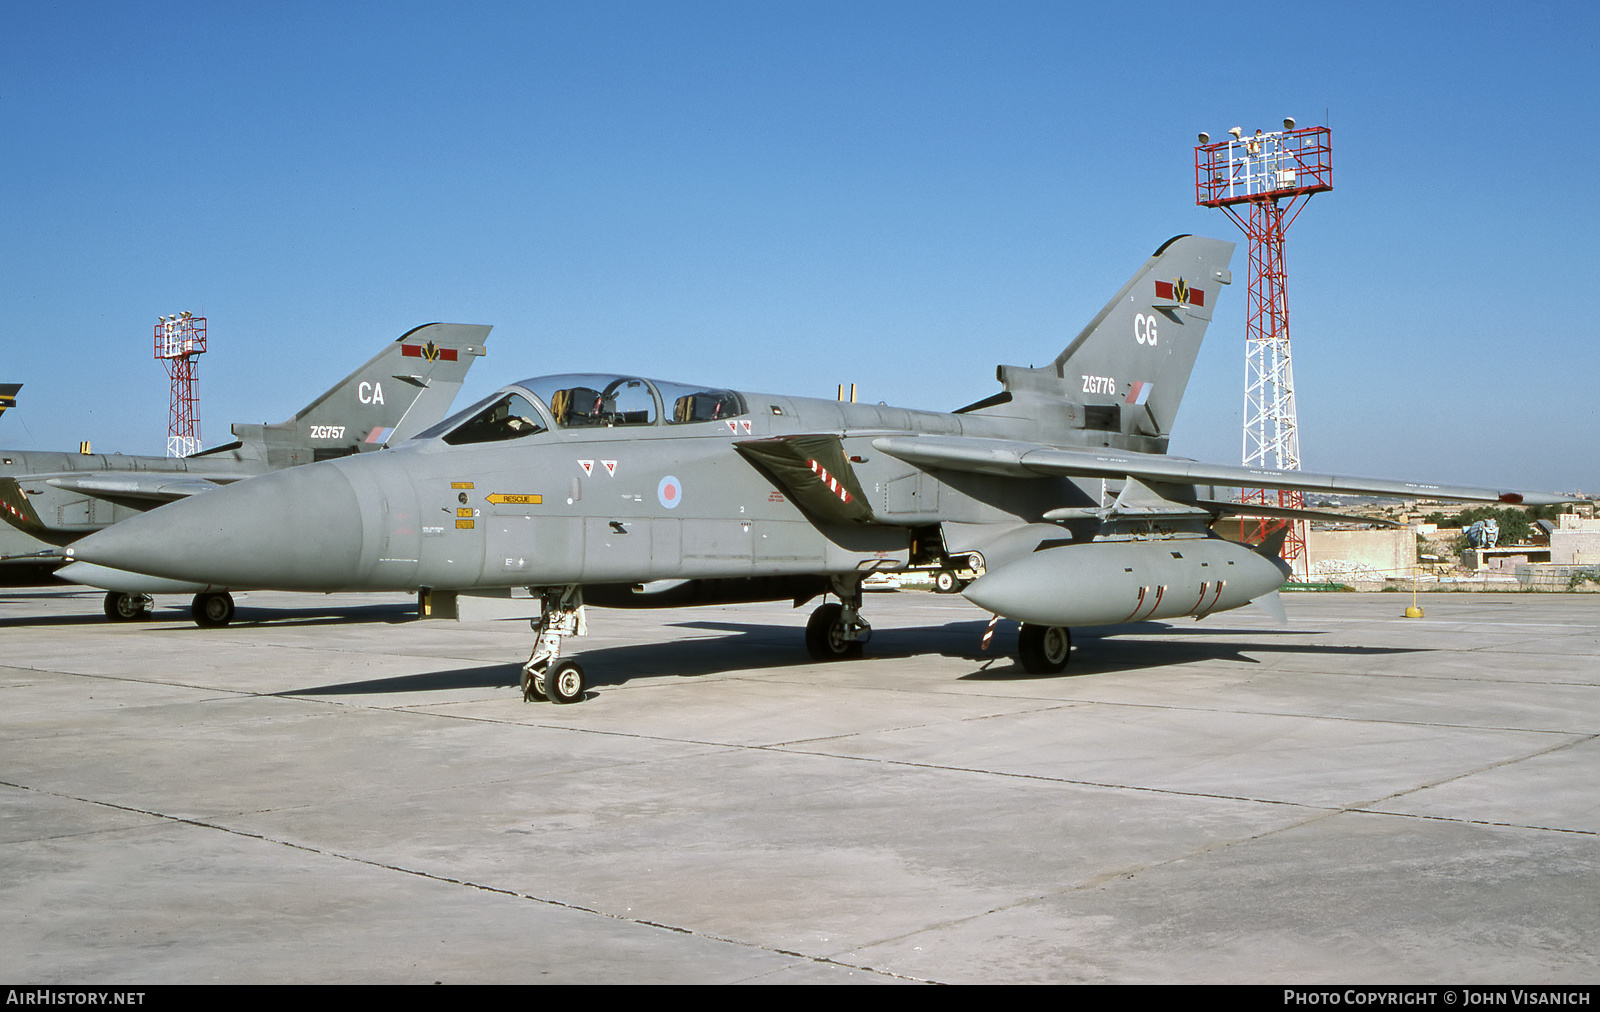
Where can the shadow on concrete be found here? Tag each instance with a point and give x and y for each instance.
(390, 613)
(95, 617)
(244, 615)
(61, 621)
(488, 676)
(1094, 656)
(759, 646)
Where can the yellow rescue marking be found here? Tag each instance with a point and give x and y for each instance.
(504, 498)
(461, 484)
(463, 525)
(464, 511)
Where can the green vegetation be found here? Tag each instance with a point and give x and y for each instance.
(1587, 576)
(1516, 522)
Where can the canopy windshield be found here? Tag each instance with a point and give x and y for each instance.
(583, 400)
(509, 416)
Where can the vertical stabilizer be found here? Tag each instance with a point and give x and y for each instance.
(399, 392)
(1129, 367)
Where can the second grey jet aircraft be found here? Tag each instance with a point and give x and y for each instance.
(55, 498)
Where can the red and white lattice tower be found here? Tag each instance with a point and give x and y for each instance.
(179, 339)
(1273, 174)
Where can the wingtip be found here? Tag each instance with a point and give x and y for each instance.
(1537, 499)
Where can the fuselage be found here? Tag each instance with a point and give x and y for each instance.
(638, 496)
(575, 480)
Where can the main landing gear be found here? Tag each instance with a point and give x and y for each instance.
(1043, 649)
(546, 675)
(212, 609)
(837, 632)
(128, 607)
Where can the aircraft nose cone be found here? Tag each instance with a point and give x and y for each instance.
(299, 529)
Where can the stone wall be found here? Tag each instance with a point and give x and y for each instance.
(1361, 555)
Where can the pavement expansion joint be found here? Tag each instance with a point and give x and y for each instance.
(465, 883)
(1474, 822)
(1175, 707)
(1317, 816)
(787, 746)
(1368, 809)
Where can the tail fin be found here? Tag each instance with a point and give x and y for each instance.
(1129, 367)
(399, 392)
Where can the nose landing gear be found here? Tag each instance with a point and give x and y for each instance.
(545, 675)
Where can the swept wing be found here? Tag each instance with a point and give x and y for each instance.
(1021, 459)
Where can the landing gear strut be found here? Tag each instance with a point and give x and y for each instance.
(212, 609)
(837, 631)
(546, 675)
(128, 607)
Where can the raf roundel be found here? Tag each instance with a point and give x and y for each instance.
(670, 492)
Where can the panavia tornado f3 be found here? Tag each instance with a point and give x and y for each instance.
(54, 498)
(623, 491)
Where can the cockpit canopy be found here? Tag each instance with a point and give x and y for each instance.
(582, 400)
(508, 416)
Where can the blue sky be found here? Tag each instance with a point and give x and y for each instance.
(784, 197)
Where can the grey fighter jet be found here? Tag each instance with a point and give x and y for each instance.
(56, 498)
(622, 491)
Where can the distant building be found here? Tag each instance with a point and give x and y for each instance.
(1575, 539)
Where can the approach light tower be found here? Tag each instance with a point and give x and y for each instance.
(179, 339)
(1274, 174)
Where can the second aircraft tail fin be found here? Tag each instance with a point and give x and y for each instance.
(403, 389)
(400, 391)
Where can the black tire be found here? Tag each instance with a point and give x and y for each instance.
(532, 686)
(1044, 649)
(564, 683)
(210, 610)
(825, 635)
(127, 607)
(945, 582)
